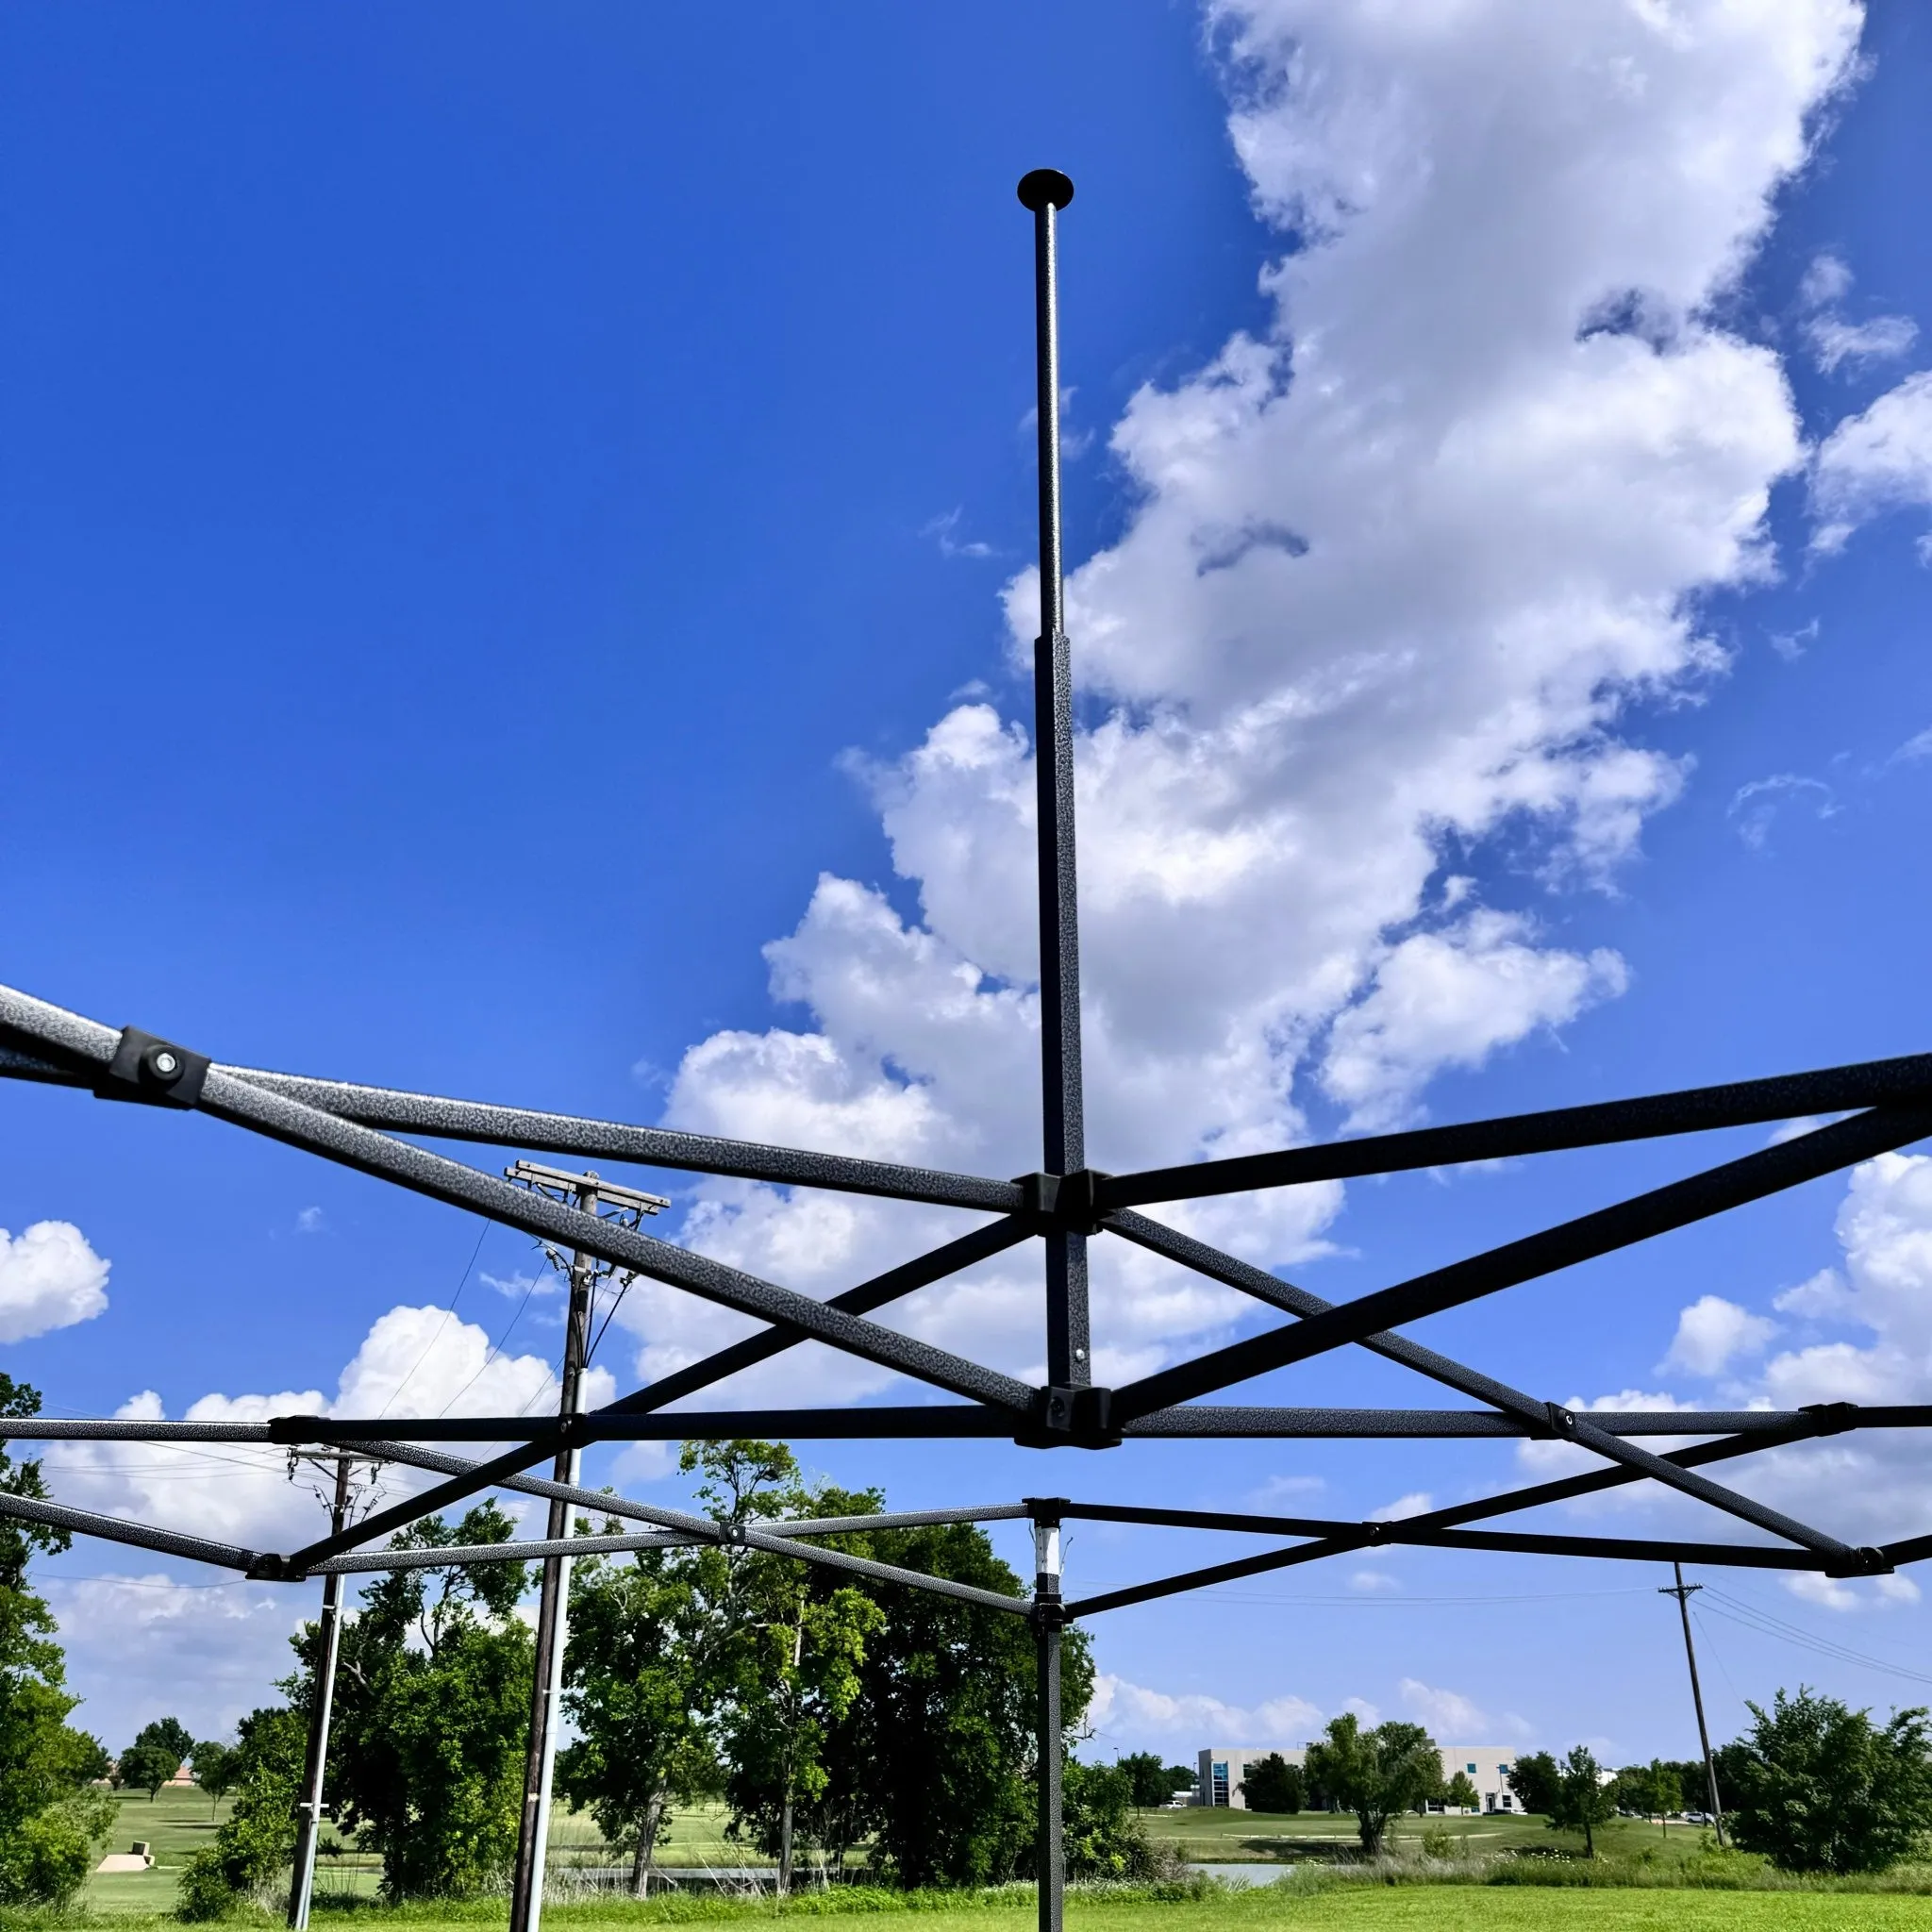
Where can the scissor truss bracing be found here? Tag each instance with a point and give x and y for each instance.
(46, 1041)
(1063, 1207)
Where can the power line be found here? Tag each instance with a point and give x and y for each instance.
(441, 1327)
(1750, 1617)
(1366, 1601)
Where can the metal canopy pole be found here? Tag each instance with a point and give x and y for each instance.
(1049, 1616)
(1062, 1108)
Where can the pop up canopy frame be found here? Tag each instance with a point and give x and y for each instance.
(1064, 1205)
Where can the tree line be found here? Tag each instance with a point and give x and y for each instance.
(831, 1717)
(1813, 1785)
(827, 1713)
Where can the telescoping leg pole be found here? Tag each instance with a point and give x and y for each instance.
(1046, 192)
(1047, 1621)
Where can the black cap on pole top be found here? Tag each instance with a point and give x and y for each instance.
(1044, 186)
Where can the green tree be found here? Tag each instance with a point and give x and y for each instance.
(257, 1841)
(1272, 1784)
(1534, 1778)
(95, 1762)
(1376, 1774)
(431, 1715)
(931, 1754)
(171, 1736)
(50, 1821)
(146, 1767)
(636, 1676)
(214, 1769)
(951, 1697)
(1819, 1787)
(1584, 1799)
(1100, 1835)
(20, 1541)
(786, 1671)
(1461, 1792)
(1153, 1783)
(1649, 1791)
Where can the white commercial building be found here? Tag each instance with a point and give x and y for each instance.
(1223, 1767)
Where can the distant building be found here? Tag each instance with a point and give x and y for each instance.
(1222, 1767)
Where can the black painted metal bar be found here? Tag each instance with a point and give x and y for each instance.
(756, 1539)
(364, 1563)
(1651, 1550)
(1822, 1422)
(1623, 1549)
(1694, 1110)
(1045, 191)
(702, 1530)
(446, 1180)
(943, 1420)
(1534, 1413)
(609, 1505)
(954, 1258)
(1246, 1525)
(428, 1114)
(114, 1530)
(1752, 1178)
(1169, 1243)
(626, 1420)
(41, 1428)
(401, 1112)
(236, 1101)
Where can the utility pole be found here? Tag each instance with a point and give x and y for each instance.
(1684, 1591)
(588, 1195)
(309, 1807)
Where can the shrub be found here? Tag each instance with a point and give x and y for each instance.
(1821, 1788)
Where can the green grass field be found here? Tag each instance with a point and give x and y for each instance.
(1236, 1837)
(1359, 1908)
(1312, 1895)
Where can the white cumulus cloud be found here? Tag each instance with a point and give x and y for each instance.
(1453, 1719)
(49, 1278)
(1398, 567)
(1450, 998)
(1863, 1488)
(1836, 342)
(1877, 460)
(413, 1363)
(1126, 1711)
(1712, 1333)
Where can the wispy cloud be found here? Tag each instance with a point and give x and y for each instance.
(944, 530)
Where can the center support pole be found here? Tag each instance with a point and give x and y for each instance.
(1048, 1620)
(553, 1612)
(1046, 191)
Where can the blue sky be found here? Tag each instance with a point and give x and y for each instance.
(493, 522)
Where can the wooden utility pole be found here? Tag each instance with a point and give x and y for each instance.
(1684, 1591)
(588, 1195)
(309, 1807)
